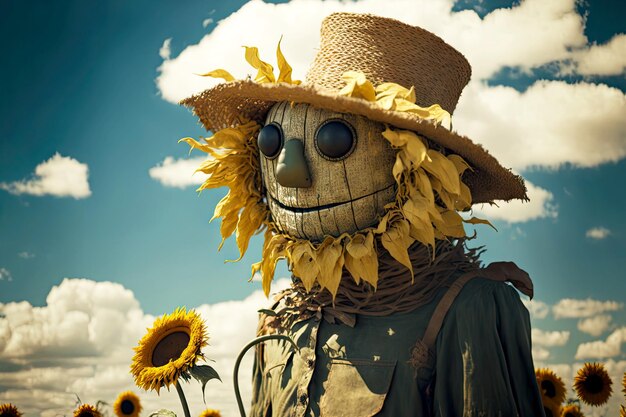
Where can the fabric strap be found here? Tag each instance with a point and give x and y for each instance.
(423, 352)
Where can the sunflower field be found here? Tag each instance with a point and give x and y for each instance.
(592, 387)
(170, 353)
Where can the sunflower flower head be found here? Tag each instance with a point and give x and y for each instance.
(551, 408)
(87, 410)
(9, 410)
(550, 385)
(169, 349)
(624, 384)
(209, 412)
(593, 384)
(571, 410)
(127, 404)
(622, 411)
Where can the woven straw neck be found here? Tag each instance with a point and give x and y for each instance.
(396, 292)
(387, 50)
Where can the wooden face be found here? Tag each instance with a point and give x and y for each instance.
(325, 173)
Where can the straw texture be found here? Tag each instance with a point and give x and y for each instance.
(385, 50)
(396, 292)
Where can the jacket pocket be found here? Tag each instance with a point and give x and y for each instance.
(356, 387)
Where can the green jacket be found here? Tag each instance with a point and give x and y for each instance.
(483, 364)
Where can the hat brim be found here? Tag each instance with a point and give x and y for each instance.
(222, 106)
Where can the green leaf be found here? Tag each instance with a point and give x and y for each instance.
(163, 413)
(267, 312)
(204, 373)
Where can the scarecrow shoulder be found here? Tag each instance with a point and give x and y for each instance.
(484, 361)
(483, 301)
(488, 325)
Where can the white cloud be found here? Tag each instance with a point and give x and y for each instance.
(598, 233)
(573, 308)
(551, 124)
(81, 342)
(595, 325)
(82, 317)
(59, 176)
(178, 173)
(165, 51)
(527, 35)
(5, 275)
(540, 353)
(547, 338)
(605, 59)
(600, 349)
(26, 255)
(537, 309)
(206, 22)
(516, 211)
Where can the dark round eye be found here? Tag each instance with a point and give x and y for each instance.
(270, 140)
(335, 139)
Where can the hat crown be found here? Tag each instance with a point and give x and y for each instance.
(387, 50)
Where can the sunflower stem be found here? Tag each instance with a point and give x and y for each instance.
(183, 400)
(254, 342)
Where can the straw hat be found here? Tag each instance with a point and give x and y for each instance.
(385, 50)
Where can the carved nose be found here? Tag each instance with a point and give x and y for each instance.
(292, 169)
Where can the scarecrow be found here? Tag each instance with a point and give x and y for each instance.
(357, 181)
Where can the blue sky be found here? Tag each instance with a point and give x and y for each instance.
(93, 82)
(82, 84)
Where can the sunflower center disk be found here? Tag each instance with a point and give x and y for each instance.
(127, 407)
(594, 384)
(548, 388)
(170, 348)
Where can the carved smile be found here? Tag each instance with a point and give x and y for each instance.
(325, 206)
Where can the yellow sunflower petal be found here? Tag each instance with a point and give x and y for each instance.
(284, 68)
(250, 220)
(476, 220)
(416, 150)
(304, 265)
(459, 163)
(451, 224)
(265, 72)
(357, 86)
(361, 259)
(330, 262)
(387, 93)
(421, 228)
(444, 170)
(397, 241)
(219, 73)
